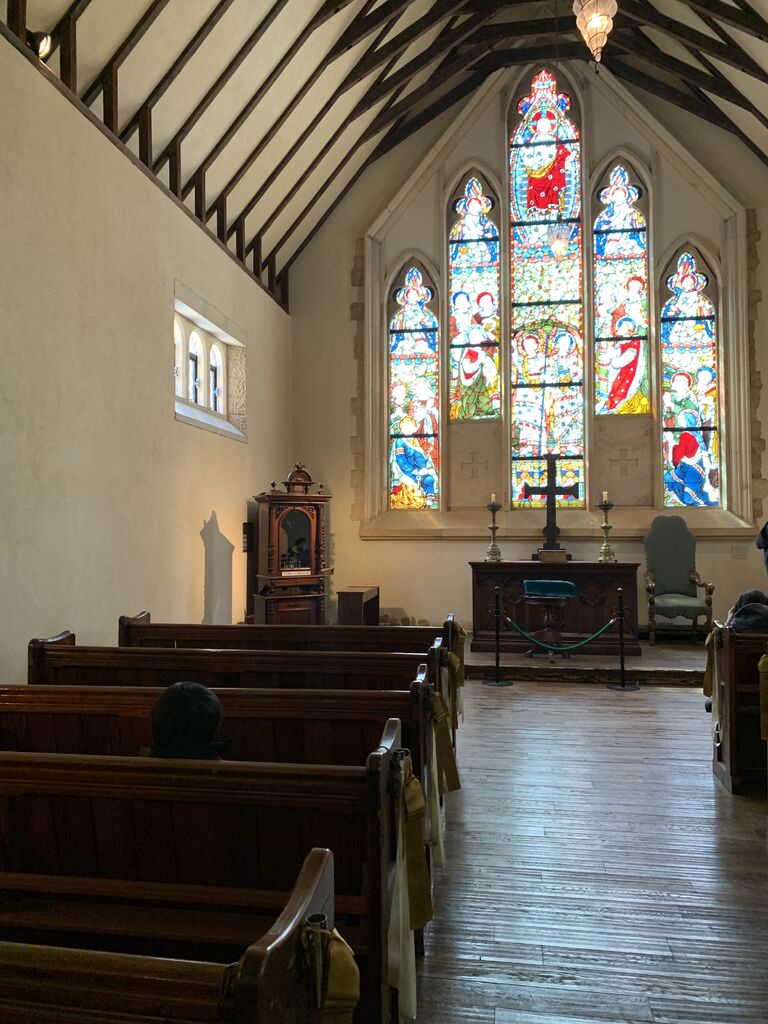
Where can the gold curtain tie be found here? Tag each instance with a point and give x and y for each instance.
(447, 773)
(414, 809)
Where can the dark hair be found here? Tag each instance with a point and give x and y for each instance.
(749, 597)
(185, 720)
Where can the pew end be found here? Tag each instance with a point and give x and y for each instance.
(36, 653)
(739, 752)
(125, 624)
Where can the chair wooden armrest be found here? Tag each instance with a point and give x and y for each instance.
(650, 584)
(708, 588)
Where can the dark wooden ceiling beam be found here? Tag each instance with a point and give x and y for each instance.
(399, 43)
(745, 20)
(275, 173)
(234, 127)
(124, 49)
(749, 105)
(267, 137)
(672, 94)
(16, 19)
(220, 82)
(331, 8)
(637, 45)
(176, 68)
(361, 28)
(748, 142)
(741, 60)
(648, 15)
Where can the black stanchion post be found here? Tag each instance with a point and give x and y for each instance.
(622, 685)
(497, 680)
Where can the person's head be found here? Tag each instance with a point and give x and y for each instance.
(185, 720)
(460, 302)
(749, 597)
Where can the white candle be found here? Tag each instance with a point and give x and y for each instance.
(493, 499)
(605, 495)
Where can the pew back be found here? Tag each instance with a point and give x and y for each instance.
(140, 631)
(58, 660)
(739, 755)
(270, 983)
(212, 824)
(294, 726)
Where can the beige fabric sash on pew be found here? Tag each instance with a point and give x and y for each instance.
(763, 667)
(411, 901)
(447, 773)
(340, 985)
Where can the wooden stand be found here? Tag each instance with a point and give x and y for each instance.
(358, 606)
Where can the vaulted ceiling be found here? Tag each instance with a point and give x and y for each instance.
(259, 114)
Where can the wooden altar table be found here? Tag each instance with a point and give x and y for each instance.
(595, 602)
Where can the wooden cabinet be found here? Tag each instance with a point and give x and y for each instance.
(285, 539)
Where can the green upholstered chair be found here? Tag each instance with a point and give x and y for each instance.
(671, 582)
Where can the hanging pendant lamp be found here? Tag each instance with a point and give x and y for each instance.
(594, 19)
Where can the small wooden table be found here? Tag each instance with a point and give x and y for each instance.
(358, 606)
(595, 602)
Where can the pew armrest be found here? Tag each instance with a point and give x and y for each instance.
(708, 588)
(124, 624)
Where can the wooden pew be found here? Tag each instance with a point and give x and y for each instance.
(58, 660)
(739, 754)
(140, 631)
(183, 859)
(270, 984)
(293, 726)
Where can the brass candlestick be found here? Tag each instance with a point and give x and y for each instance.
(494, 551)
(607, 554)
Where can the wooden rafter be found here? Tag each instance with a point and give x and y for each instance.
(266, 138)
(275, 173)
(246, 111)
(400, 42)
(109, 71)
(330, 9)
(361, 28)
(748, 104)
(747, 20)
(200, 108)
(175, 69)
(647, 14)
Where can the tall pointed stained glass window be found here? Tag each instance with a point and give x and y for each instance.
(547, 347)
(474, 279)
(690, 438)
(414, 375)
(621, 299)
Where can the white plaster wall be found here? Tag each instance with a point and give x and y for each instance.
(429, 578)
(103, 493)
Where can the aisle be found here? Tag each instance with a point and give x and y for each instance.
(595, 871)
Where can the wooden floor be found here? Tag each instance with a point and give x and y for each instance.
(596, 874)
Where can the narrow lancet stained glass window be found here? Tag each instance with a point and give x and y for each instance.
(690, 439)
(414, 343)
(621, 300)
(547, 357)
(473, 262)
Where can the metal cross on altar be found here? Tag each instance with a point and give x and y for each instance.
(551, 491)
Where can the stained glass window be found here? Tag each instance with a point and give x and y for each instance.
(621, 300)
(690, 439)
(473, 283)
(547, 348)
(414, 375)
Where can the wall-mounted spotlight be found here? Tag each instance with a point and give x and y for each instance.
(40, 43)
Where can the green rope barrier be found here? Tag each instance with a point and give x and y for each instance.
(562, 650)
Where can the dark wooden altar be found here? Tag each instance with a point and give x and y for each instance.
(595, 602)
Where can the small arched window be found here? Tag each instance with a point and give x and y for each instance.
(690, 385)
(194, 368)
(414, 376)
(178, 349)
(216, 380)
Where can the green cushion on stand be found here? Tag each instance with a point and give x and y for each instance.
(549, 588)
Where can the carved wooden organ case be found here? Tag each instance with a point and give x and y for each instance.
(285, 540)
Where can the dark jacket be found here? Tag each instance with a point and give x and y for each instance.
(750, 618)
(761, 541)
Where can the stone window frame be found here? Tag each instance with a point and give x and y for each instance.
(742, 443)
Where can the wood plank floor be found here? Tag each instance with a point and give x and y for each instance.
(596, 873)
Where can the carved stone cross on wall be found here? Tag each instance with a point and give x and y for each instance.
(474, 466)
(623, 462)
(551, 491)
